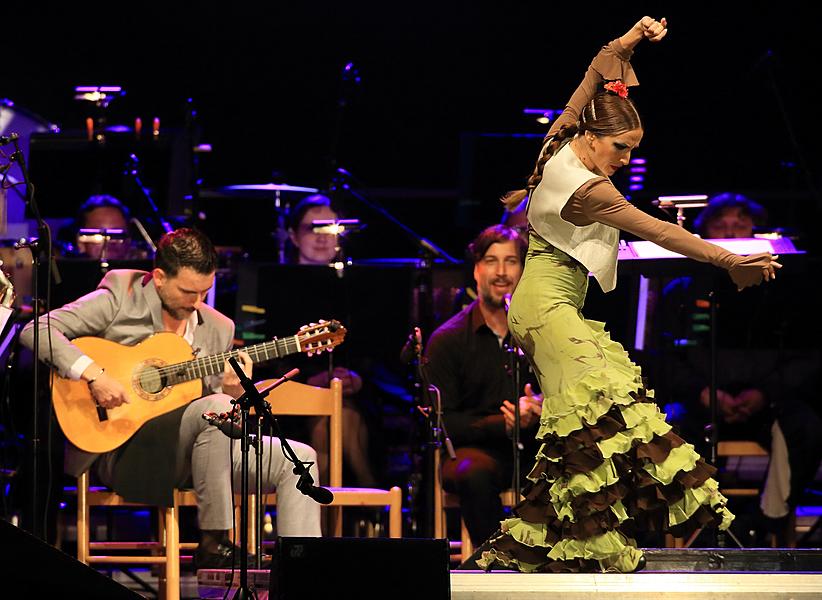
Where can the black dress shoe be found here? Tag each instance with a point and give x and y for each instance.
(224, 557)
(640, 564)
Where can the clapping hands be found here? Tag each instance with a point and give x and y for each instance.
(530, 409)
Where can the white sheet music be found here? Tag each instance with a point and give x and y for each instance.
(644, 250)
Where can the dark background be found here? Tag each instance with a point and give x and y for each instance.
(434, 131)
(728, 98)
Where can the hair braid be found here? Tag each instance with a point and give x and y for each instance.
(550, 146)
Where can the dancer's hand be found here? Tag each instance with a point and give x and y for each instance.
(754, 269)
(646, 28)
(654, 30)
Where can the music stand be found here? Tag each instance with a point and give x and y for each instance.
(680, 203)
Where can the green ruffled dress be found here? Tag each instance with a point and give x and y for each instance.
(608, 462)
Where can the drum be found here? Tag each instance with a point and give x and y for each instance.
(14, 119)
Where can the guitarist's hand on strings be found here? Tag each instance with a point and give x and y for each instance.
(106, 390)
(231, 383)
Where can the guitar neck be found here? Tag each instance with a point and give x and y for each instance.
(215, 364)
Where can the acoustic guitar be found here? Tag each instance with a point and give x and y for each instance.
(160, 374)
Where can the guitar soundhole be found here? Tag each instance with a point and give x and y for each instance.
(151, 380)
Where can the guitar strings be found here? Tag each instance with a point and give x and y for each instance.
(187, 368)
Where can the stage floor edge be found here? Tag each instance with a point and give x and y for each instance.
(477, 585)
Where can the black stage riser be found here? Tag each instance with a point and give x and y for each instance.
(734, 560)
(362, 568)
(32, 567)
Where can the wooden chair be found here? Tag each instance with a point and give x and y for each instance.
(444, 500)
(289, 399)
(299, 399)
(166, 552)
(733, 452)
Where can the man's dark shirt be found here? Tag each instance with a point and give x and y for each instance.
(472, 371)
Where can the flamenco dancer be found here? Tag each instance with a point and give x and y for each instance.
(608, 462)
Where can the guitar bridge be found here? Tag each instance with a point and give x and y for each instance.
(102, 413)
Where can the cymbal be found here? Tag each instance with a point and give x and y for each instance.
(265, 190)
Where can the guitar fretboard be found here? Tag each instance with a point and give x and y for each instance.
(214, 364)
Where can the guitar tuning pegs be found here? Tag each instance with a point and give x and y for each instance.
(303, 328)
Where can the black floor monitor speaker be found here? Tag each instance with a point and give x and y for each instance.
(32, 567)
(361, 568)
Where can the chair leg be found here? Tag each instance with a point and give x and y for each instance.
(171, 584)
(83, 522)
(395, 513)
(335, 521)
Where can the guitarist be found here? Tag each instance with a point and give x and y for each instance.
(177, 449)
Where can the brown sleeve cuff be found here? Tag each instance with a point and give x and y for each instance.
(613, 62)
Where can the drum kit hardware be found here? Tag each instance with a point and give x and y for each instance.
(274, 198)
(277, 193)
(258, 190)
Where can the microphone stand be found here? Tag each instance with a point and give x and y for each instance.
(514, 365)
(516, 444)
(254, 398)
(258, 488)
(712, 428)
(426, 246)
(349, 80)
(437, 433)
(133, 171)
(38, 246)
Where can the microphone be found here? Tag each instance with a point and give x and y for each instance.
(305, 483)
(290, 375)
(224, 424)
(412, 347)
(316, 493)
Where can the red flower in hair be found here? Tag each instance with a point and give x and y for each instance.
(617, 87)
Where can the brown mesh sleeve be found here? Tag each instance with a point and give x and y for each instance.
(610, 63)
(598, 200)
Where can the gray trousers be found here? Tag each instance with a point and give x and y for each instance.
(209, 460)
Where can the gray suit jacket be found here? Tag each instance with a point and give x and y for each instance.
(124, 308)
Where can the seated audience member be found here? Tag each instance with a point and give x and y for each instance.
(101, 212)
(468, 361)
(517, 220)
(307, 246)
(321, 249)
(754, 403)
(730, 216)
